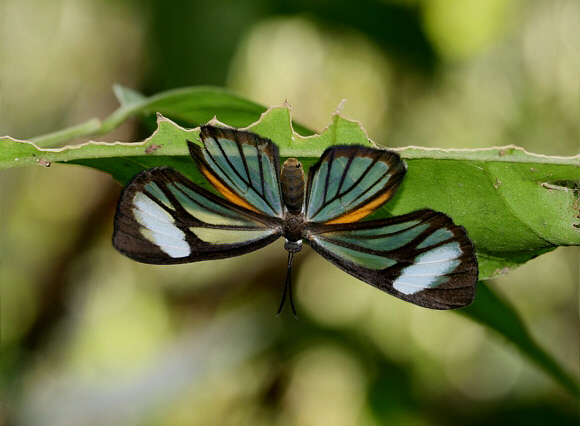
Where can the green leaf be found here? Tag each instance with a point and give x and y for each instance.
(491, 310)
(188, 106)
(515, 205)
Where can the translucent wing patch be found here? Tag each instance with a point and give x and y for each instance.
(242, 166)
(350, 181)
(421, 257)
(164, 218)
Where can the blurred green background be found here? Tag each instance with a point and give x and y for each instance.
(89, 337)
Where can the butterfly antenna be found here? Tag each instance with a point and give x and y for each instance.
(288, 287)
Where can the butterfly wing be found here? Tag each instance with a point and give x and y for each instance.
(351, 181)
(421, 257)
(242, 166)
(163, 218)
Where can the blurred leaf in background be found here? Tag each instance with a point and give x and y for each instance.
(89, 337)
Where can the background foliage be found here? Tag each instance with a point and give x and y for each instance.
(89, 337)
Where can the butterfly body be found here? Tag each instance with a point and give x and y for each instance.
(421, 257)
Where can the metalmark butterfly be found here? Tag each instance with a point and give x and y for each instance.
(421, 257)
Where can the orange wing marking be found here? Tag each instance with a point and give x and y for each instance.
(363, 211)
(226, 192)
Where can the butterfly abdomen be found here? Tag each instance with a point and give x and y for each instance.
(292, 185)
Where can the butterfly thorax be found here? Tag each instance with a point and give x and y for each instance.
(294, 226)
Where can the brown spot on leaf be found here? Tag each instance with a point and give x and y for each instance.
(152, 148)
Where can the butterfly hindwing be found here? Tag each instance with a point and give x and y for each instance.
(421, 257)
(242, 166)
(351, 181)
(162, 218)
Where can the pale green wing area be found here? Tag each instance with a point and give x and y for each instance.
(349, 182)
(245, 163)
(163, 218)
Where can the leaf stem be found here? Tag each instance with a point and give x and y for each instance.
(50, 140)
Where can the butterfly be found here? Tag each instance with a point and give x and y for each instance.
(420, 257)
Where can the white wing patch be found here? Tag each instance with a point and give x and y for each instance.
(429, 269)
(158, 227)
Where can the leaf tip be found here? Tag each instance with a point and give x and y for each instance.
(215, 122)
(340, 107)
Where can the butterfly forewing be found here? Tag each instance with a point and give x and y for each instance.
(162, 217)
(242, 166)
(421, 257)
(350, 181)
